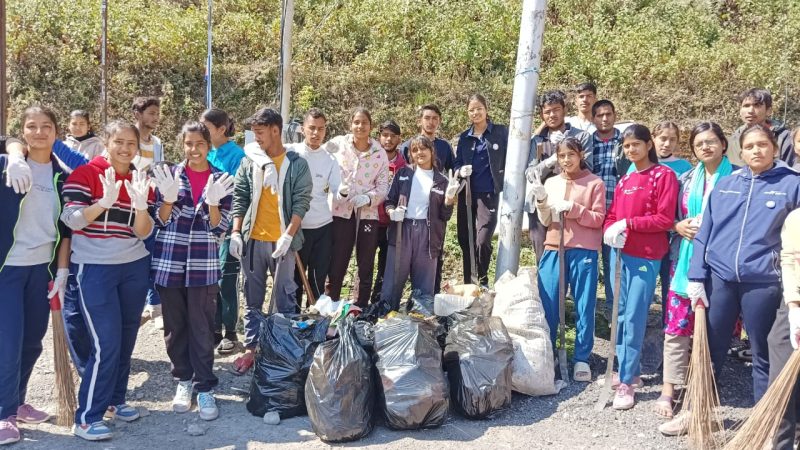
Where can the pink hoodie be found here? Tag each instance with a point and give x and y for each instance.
(584, 222)
(364, 172)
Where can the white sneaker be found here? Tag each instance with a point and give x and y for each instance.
(207, 406)
(182, 401)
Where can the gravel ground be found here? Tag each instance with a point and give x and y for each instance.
(566, 420)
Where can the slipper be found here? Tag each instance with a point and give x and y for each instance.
(226, 346)
(243, 364)
(663, 407)
(745, 355)
(581, 372)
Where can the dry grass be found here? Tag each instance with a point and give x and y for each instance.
(702, 398)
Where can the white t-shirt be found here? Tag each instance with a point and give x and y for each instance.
(585, 125)
(35, 234)
(146, 155)
(418, 200)
(326, 178)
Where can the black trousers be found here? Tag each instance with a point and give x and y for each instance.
(383, 248)
(344, 239)
(316, 257)
(189, 333)
(484, 221)
(780, 349)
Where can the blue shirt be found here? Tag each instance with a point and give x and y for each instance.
(481, 178)
(444, 154)
(227, 157)
(678, 165)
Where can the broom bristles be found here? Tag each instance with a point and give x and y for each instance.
(702, 398)
(65, 383)
(760, 428)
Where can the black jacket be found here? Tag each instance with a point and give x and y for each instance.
(438, 212)
(497, 139)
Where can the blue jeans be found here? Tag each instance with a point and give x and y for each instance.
(153, 298)
(607, 280)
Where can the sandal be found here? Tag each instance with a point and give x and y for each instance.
(581, 372)
(244, 363)
(663, 407)
(226, 346)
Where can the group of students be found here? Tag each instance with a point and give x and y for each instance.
(124, 234)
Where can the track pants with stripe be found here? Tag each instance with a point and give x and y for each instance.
(112, 298)
(23, 323)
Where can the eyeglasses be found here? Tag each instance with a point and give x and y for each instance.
(707, 143)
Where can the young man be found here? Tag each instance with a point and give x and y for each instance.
(542, 157)
(389, 139)
(146, 114)
(316, 225)
(755, 107)
(269, 203)
(585, 96)
(605, 141)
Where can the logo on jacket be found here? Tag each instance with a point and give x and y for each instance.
(437, 191)
(723, 191)
(643, 269)
(405, 178)
(774, 193)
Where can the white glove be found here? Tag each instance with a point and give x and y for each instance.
(794, 326)
(18, 174)
(271, 177)
(465, 171)
(166, 183)
(236, 245)
(138, 188)
(697, 292)
(551, 161)
(282, 245)
(59, 284)
(452, 188)
(360, 200)
(616, 235)
(344, 190)
(218, 189)
(110, 188)
(397, 214)
(556, 137)
(560, 206)
(538, 190)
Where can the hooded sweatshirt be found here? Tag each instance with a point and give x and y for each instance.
(89, 146)
(739, 238)
(584, 221)
(790, 257)
(326, 178)
(364, 172)
(109, 239)
(782, 134)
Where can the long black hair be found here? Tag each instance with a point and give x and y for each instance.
(219, 118)
(642, 133)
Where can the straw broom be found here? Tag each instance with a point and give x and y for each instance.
(702, 398)
(762, 424)
(65, 383)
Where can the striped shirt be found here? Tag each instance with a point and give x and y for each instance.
(187, 246)
(603, 164)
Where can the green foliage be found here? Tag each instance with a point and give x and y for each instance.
(673, 59)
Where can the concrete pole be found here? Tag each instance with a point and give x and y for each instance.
(286, 59)
(104, 62)
(209, 60)
(3, 66)
(526, 79)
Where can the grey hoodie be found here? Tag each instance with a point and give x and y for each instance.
(89, 147)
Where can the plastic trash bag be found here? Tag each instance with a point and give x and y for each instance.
(421, 304)
(478, 358)
(287, 348)
(409, 363)
(339, 389)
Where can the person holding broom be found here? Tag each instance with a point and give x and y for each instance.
(735, 263)
(636, 226)
(422, 199)
(193, 208)
(577, 196)
(709, 145)
(30, 239)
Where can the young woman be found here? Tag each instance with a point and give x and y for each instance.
(225, 155)
(578, 196)
(636, 226)
(106, 206)
(30, 235)
(422, 198)
(709, 145)
(481, 159)
(735, 265)
(365, 183)
(81, 137)
(193, 210)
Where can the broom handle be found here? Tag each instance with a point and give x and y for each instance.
(614, 319)
(562, 300)
(304, 278)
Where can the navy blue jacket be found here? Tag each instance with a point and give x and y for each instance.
(444, 154)
(11, 202)
(497, 139)
(740, 235)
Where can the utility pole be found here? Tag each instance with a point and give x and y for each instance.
(103, 61)
(208, 57)
(286, 58)
(526, 79)
(3, 67)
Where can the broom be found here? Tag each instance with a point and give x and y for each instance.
(702, 398)
(762, 424)
(65, 383)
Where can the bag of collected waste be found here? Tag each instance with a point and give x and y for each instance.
(518, 304)
(409, 363)
(420, 304)
(339, 389)
(478, 358)
(286, 349)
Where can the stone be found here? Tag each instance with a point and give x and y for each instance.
(272, 418)
(195, 430)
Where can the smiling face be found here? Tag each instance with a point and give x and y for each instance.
(477, 112)
(758, 151)
(360, 126)
(122, 147)
(389, 141)
(195, 148)
(635, 149)
(553, 115)
(267, 136)
(422, 156)
(569, 159)
(708, 148)
(39, 132)
(666, 142)
(753, 112)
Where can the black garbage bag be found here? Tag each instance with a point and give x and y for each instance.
(478, 358)
(409, 362)
(339, 389)
(420, 303)
(286, 350)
